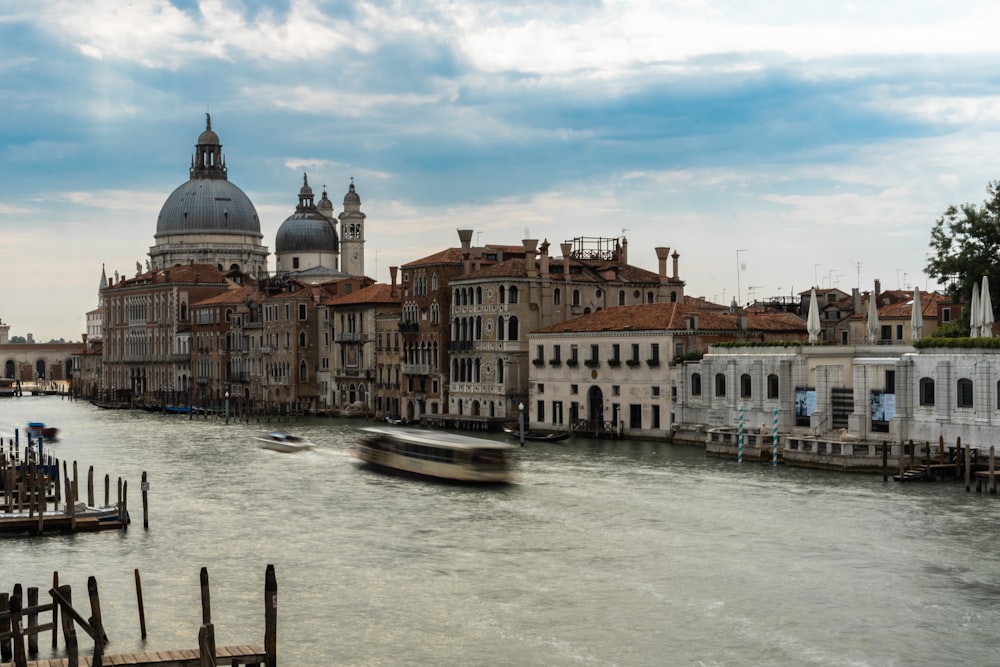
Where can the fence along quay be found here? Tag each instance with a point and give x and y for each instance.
(20, 627)
(33, 484)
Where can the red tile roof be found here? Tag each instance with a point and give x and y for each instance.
(673, 317)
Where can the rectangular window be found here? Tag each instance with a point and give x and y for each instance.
(615, 352)
(595, 353)
(616, 390)
(899, 332)
(655, 391)
(540, 408)
(655, 415)
(541, 388)
(654, 352)
(302, 311)
(555, 353)
(946, 315)
(635, 352)
(557, 412)
(635, 416)
(574, 389)
(890, 382)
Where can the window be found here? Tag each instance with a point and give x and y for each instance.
(576, 297)
(926, 391)
(615, 355)
(573, 359)
(574, 389)
(946, 315)
(890, 382)
(655, 392)
(616, 390)
(772, 386)
(556, 296)
(899, 332)
(621, 297)
(696, 384)
(557, 412)
(655, 416)
(503, 294)
(746, 386)
(965, 393)
(541, 388)
(302, 311)
(654, 354)
(556, 358)
(635, 416)
(512, 294)
(295, 262)
(720, 384)
(540, 411)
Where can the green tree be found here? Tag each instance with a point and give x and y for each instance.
(966, 246)
(18, 339)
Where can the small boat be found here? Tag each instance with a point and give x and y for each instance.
(436, 454)
(395, 420)
(177, 409)
(537, 436)
(39, 429)
(280, 441)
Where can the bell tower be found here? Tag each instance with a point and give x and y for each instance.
(352, 235)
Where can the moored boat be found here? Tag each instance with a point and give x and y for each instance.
(537, 436)
(39, 429)
(437, 454)
(280, 441)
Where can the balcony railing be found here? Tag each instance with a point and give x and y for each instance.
(459, 345)
(416, 369)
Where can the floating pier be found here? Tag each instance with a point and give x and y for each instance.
(38, 495)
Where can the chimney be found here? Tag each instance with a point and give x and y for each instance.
(529, 257)
(856, 299)
(676, 256)
(465, 236)
(623, 253)
(878, 292)
(743, 320)
(544, 258)
(392, 275)
(662, 254)
(477, 258)
(566, 247)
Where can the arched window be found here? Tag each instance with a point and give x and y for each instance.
(576, 297)
(503, 294)
(500, 327)
(649, 297)
(746, 386)
(772, 386)
(720, 384)
(965, 393)
(479, 327)
(303, 371)
(556, 296)
(479, 295)
(927, 391)
(696, 384)
(621, 297)
(302, 339)
(512, 328)
(512, 294)
(673, 297)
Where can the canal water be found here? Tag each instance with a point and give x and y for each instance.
(604, 553)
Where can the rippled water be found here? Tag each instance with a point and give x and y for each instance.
(604, 553)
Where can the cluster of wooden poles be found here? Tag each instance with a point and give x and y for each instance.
(34, 484)
(20, 627)
(958, 462)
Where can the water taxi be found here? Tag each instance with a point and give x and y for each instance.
(437, 454)
(39, 429)
(280, 441)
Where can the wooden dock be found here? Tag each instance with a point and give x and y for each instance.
(224, 655)
(20, 627)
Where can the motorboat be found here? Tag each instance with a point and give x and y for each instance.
(280, 441)
(536, 436)
(436, 454)
(39, 429)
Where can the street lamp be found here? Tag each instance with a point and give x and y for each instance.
(227, 407)
(520, 421)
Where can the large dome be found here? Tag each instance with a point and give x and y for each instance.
(209, 205)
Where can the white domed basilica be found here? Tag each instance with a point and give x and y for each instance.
(208, 220)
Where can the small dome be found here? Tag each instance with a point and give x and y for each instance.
(325, 206)
(208, 137)
(306, 232)
(352, 197)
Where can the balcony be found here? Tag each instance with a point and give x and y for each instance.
(652, 363)
(573, 363)
(350, 337)
(416, 369)
(555, 362)
(538, 363)
(632, 363)
(459, 345)
(614, 363)
(592, 363)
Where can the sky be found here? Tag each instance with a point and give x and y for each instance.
(775, 145)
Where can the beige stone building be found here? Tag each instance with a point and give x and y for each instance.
(496, 306)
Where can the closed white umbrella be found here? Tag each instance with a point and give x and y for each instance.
(975, 312)
(812, 323)
(874, 329)
(986, 307)
(916, 316)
